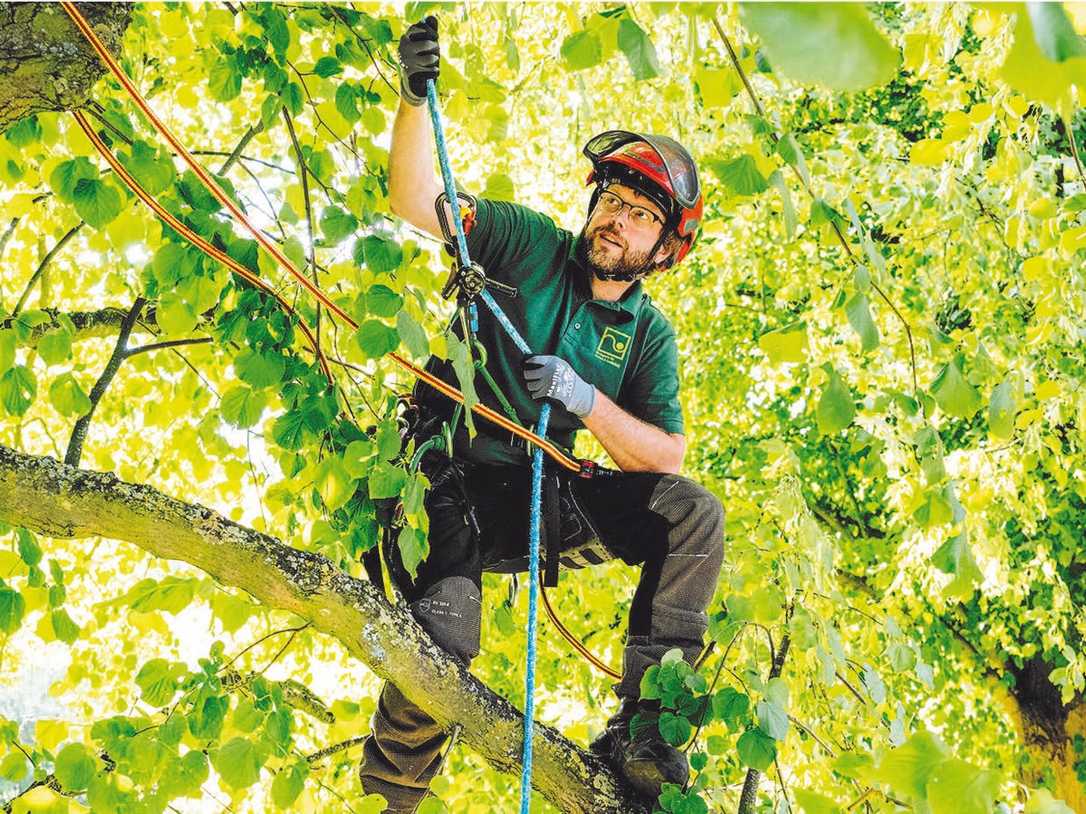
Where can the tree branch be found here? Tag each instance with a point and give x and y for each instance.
(45, 261)
(303, 173)
(253, 131)
(55, 500)
(79, 432)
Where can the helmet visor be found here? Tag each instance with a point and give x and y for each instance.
(677, 162)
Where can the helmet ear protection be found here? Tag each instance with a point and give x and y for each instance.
(656, 166)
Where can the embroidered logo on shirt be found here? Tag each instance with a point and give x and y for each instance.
(613, 347)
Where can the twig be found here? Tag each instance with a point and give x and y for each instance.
(45, 261)
(254, 130)
(316, 757)
(79, 432)
(261, 640)
(245, 158)
(1074, 150)
(365, 44)
(303, 172)
(283, 649)
(94, 109)
(173, 343)
(750, 784)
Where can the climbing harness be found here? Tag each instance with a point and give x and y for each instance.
(467, 280)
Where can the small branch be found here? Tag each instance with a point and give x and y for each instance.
(173, 343)
(253, 131)
(79, 432)
(95, 110)
(45, 261)
(303, 172)
(244, 158)
(263, 639)
(1074, 150)
(283, 649)
(316, 757)
(365, 44)
(750, 784)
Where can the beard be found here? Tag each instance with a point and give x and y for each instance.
(607, 260)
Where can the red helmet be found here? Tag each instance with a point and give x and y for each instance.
(656, 166)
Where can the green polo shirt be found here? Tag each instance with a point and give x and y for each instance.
(625, 348)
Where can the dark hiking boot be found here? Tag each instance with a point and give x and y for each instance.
(644, 758)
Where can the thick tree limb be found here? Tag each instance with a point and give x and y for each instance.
(44, 62)
(88, 324)
(55, 500)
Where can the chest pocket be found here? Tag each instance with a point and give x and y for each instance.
(599, 343)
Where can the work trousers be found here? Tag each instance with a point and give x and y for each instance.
(669, 525)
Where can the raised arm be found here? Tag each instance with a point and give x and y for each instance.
(413, 186)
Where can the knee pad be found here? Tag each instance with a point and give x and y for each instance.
(450, 612)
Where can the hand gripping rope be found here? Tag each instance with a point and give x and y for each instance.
(534, 510)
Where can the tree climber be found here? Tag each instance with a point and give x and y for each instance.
(610, 365)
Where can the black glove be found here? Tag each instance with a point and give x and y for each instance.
(419, 60)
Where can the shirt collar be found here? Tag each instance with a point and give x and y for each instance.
(630, 303)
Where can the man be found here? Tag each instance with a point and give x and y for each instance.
(608, 363)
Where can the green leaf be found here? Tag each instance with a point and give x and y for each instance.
(581, 50)
(96, 201)
(412, 335)
(260, 369)
(275, 26)
(638, 48)
(375, 339)
(292, 98)
(907, 769)
(14, 766)
(499, 187)
(157, 680)
(75, 767)
(207, 718)
(675, 729)
(12, 607)
(238, 763)
(155, 172)
(382, 301)
(954, 395)
(183, 777)
(64, 628)
(831, 44)
(858, 310)
(67, 174)
(835, 409)
(787, 344)
(288, 784)
(170, 594)
(814, 803)
(18, 387)
(740, 175)
(414, 547)
(55, 346)
(756, 749)
(772, 719)
(242, 406)
(1030, 72)
(379, 254)
(386, 480)
(388, 440)
(730, 706)
(224, 79)
(327, 66)
(8, 341)
(29, 550)
(289, 430)
(24, 132)
(336, 224)
(1002, 411)
(334, 482)
(347, 103)
(1053, 32)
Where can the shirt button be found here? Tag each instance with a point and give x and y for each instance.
(577, 325)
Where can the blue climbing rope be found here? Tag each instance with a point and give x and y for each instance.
(535, 507)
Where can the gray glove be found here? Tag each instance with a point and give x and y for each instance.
(419, 60)
(551, 377)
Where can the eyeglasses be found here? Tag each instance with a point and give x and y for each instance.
(612, 204)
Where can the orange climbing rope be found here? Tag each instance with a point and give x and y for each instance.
(213, 187)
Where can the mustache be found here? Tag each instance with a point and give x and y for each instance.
(612, 236)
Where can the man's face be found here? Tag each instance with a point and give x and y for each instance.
(616, 239)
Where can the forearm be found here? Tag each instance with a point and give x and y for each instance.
(412, 183)
(634, 445)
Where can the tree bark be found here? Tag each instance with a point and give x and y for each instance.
(59, 501)
(1048, 728)
(45, 63)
